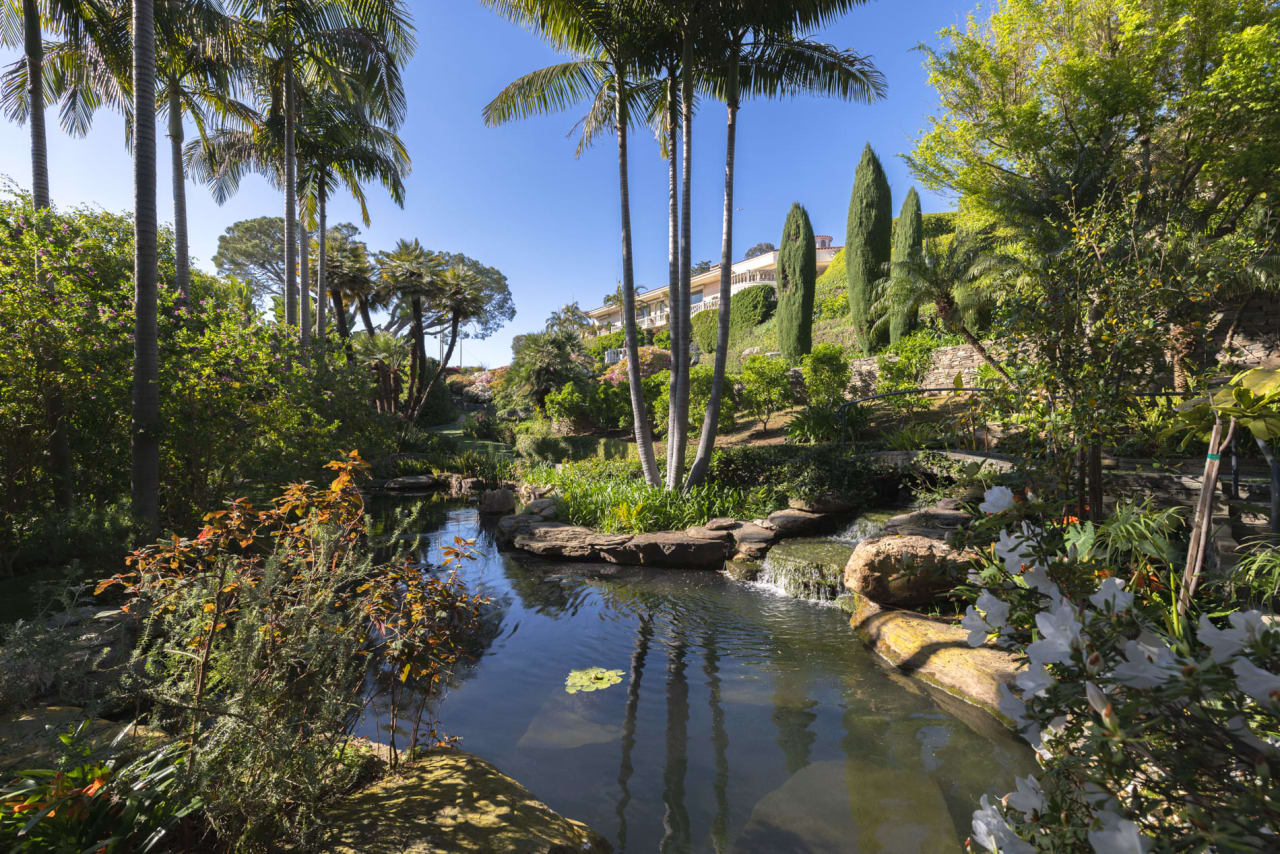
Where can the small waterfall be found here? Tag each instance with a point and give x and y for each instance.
(806, 568)
(864, 526)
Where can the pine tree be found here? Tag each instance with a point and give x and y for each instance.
(797, 273)
(868, 242)
(908, 237)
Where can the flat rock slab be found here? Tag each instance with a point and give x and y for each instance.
(791, 522)
(570, 542)
(29, 738)
(510, 527)
(413, 483)
(452, 803)
(823, 504)
(937, 653)
(936, 521)
(663, 549)
(721, 523)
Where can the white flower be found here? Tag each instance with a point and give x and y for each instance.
(1028, 798)
(1261, 685)
(1016, 550)
(975, 625)
(1034, 681)
(1013, 707)
(1118, 836)
(1037, 579)
(1246, 627)
(1059, 635)
(1096, 698)
(995, 615)
(992, 832)
(1111, 593)
(1148, 663)
(998, 500)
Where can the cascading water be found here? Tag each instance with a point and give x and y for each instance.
(813, 568)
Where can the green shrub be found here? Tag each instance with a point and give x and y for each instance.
(748, 309)
(766, 387)
(704, 327)
(797, 275)
(826, 375)
(258, 645)
(612, 497)
(791, 471)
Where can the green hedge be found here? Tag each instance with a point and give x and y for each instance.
(749, 308)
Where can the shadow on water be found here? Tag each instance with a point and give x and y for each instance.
(767, 728)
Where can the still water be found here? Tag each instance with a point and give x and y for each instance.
(745, 721)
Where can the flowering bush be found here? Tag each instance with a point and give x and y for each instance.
(1154, 732)
(652, 360)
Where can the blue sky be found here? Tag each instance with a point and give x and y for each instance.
(517, 199)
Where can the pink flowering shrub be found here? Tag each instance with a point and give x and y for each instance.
(652, 360)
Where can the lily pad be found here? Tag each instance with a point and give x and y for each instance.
(591, 679)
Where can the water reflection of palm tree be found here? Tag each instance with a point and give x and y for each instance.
(644, 633)
(675, 821)
(719, 742)
(793, 715)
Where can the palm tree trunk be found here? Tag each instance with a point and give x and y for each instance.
(983, 353)
(675, 435)
(418, 365)
(454, 326)
(362, 302)
(181, 250)
(639, 419)
(304, 282)
(686, 243)
(322, 238)
(33, 47)
(290, 208)
(707, 442)
(146, 363)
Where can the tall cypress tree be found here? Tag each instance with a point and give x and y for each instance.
(908, 237)
(868, 241)
(797, 273)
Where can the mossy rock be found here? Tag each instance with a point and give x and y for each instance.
(938, 654)
(449, 802)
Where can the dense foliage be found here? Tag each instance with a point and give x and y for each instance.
(867, 243)
(797, 275)
(908, 237)
(242, 409)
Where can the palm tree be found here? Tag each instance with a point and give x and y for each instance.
(200, 62)
(386, 355)
(146, 365)
(411, 274)
(353, 49)
(349, 277)
(612, 44)
(340, 146)
(955, 277)
(755, 50)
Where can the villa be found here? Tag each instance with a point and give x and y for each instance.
(653, 306)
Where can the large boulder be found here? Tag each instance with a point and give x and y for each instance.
(671, 550)
(569, 542)
(752, 541)
(448, 802)
(498, 501)
(904, 571)
(791, 522)
(544, 507)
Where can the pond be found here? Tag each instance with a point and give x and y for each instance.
(744, 720)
